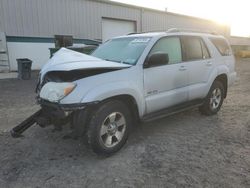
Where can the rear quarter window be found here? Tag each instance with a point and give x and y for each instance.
(222, 46)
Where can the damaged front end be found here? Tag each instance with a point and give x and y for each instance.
(54, 87)
(61, 114)
(57, 80)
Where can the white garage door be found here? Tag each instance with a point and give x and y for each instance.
(112, 28)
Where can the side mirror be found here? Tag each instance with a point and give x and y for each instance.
(156, 59)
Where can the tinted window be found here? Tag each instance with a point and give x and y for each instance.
(193, 48)
(171, 46)
(221, 46)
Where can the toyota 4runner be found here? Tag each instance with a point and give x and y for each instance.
(134, 77)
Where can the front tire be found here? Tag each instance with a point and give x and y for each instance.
(214, 99)
(109, 127)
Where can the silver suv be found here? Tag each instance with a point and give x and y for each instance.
(134, 77)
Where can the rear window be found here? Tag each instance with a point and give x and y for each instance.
(222, 46)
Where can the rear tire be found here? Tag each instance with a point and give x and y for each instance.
(109, 127)
(214, 99)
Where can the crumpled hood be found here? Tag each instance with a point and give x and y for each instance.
(66, 60)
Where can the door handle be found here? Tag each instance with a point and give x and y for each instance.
(182, 68)
(209, 63)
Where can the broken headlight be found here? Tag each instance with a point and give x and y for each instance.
(54, 91)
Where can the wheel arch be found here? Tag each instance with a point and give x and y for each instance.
(129, 101)
(224, 80)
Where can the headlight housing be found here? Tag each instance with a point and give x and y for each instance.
(53, 91)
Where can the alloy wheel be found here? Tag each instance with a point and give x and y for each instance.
(113, 129)
(215, 98)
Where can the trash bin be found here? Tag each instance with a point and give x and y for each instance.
(24, 68)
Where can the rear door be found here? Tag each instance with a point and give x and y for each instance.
(166, 85)
(198, 58)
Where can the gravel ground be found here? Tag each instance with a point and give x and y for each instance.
(183, 150)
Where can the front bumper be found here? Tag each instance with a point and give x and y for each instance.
(61, 111)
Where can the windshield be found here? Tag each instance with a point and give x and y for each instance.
(122, 50)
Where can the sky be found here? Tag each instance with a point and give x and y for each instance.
(235, 13)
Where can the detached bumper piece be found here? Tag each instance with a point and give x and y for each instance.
(19, 129)
(44, 117)
(57, 115)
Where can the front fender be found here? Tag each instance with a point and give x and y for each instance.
(110, 90)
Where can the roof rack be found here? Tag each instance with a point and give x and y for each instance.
(174, 30)
(154, 31)
(133, 33)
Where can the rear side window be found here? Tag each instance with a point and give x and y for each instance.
(194, 48)
(222, 46)
(171, 46)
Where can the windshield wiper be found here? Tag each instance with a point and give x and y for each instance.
(112, 60)
(122, 62)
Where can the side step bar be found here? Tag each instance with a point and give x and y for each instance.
(19, 129)
(172, 110)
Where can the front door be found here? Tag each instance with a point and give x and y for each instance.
(166, 85)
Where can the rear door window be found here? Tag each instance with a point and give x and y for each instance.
(192, 48)
(222, 46)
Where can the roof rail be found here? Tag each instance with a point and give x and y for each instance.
(154, 31)
(133, 33)
(174, 30)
